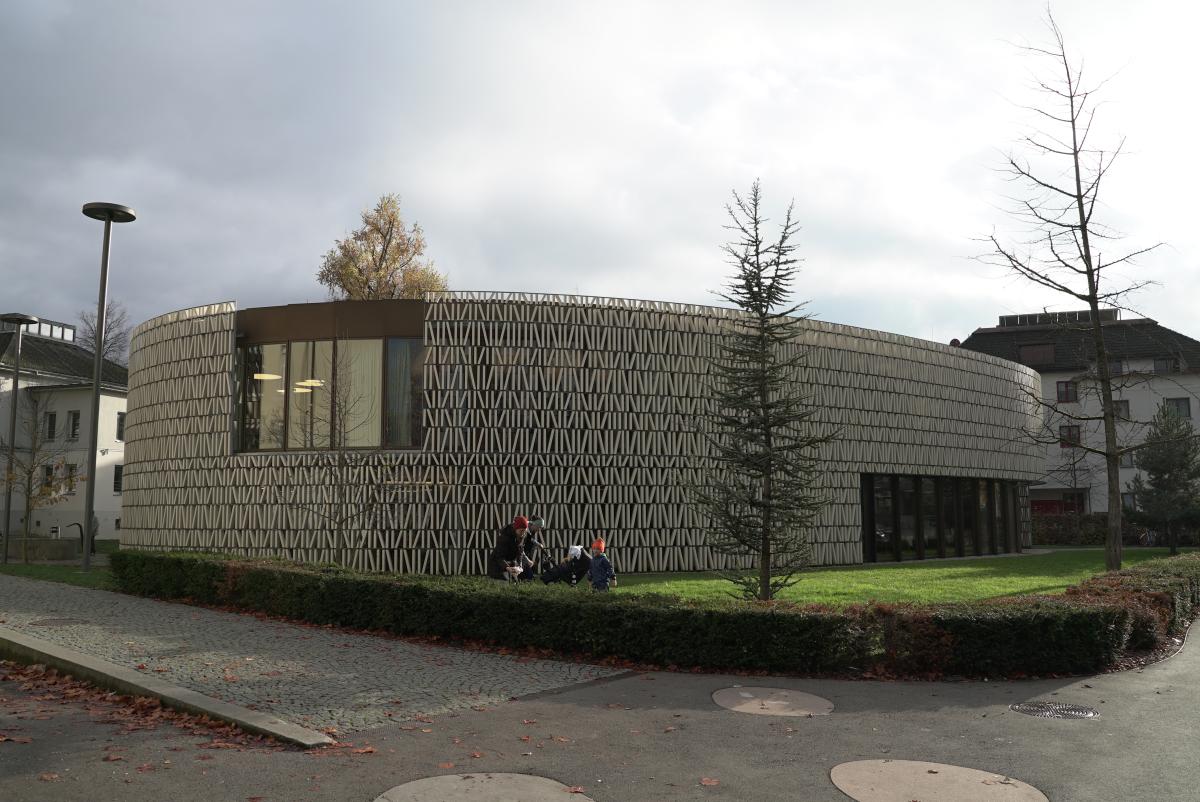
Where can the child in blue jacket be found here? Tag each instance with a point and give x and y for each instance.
(601, 573)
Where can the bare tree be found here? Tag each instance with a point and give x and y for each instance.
(39, 472)
(116, 332)
(1060, 174)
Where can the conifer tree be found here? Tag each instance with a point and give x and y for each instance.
(1170, 460)
(761, 500)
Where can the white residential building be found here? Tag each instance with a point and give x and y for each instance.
(57, 374)
(1151, 366)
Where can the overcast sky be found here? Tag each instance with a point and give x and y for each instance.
(570, 147)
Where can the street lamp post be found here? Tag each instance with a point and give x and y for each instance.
(21, 322)
(110, 213)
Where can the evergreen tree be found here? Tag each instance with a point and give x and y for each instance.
(1170, 459)
(761, 499)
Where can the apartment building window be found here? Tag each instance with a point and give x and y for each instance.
(1126, 460)
(1032, 355)
(1128, 501)
(120, 425)
(73, 425)
(47, 475)
(1068, 391)
(1069, 436)
(118, 477)
(51, 425)
(118, 526)
(1179, 406)
(1121, 410)
(72, 473)
(1116, 367)
(1166, 364)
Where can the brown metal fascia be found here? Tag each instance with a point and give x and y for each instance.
(331, 320)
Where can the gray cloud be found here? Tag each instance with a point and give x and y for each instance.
(559, 147)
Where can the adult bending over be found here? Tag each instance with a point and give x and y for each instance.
(505, 560)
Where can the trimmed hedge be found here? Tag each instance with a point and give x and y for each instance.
(1085, 630)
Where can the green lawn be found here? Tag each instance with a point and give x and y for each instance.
(97, 577)
(933, 581)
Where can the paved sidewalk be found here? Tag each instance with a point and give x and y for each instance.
(312, 676)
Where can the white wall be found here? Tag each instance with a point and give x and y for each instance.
(1068, 469)
(70, 509)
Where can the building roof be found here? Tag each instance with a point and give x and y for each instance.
(60, 359)
(1134, 339)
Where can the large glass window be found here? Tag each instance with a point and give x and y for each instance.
(883, 534)
(903, 515)
(310, 381)
(330, 394)
(402, 380)
(263, 397)
(908, 518)
(359, 397)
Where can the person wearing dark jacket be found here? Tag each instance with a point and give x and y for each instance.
(509, 550)
(571, 570)
(601, 573)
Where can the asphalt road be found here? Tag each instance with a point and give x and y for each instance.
(654, 736)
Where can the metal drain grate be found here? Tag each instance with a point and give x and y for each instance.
(1054, 710)
(57, 622)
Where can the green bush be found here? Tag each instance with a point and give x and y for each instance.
(1085, 630)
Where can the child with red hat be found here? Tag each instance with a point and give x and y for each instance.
(601, 573)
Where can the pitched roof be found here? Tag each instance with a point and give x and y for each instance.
(59, 358)
(1139, 338)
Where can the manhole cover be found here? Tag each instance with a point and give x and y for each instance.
(484, 788)
(1054, 710)
(57, 622)
(890, 780)
(772, 701)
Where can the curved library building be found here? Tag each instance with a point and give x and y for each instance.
(400, 435)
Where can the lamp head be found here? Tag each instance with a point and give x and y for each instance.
(109, 211)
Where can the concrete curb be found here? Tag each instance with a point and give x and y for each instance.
(25, 649)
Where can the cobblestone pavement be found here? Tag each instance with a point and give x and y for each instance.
(312, 676)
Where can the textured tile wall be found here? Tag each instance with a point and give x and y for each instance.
(582, 409)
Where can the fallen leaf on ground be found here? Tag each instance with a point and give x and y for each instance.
(48, 777)
(529, 721)
(670, 729)
(445, 765)
(575, 789)
(477, 754)
(366, 750)
(113, 758)
(709, 781)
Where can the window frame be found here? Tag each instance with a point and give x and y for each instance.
(1121, 404)
(120, 427)
(1067, 391)
(118, 479)
(74, 423)
(1173, 403)
(1166, 364)
(334, 445)
(1070, 436)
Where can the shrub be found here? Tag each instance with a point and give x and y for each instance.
(1085, 630)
